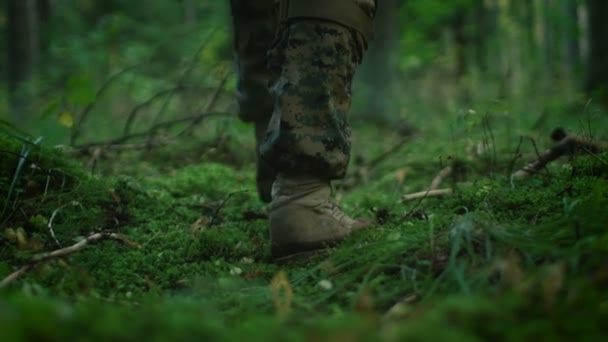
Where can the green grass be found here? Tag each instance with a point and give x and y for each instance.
(496, 260)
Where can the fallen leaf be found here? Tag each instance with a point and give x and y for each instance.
(401, 174)
(235, 271)
(325, 284)
(553, 283)
(66, 119)
(282, 293)
(199, 225)
(21, 237)
(365, 302)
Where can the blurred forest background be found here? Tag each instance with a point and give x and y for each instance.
(140, 96)
(81, 71)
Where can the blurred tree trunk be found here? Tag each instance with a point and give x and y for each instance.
(23, 49)
(549, 49)
(378, 72)
(44, 16)
(190, 12)
(571, 38)
(486, 17)
(472, 25)
(597, 63)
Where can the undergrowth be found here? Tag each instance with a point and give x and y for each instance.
(498, 259)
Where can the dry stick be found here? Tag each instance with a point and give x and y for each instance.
(426, 194)
(87, 110)
(221, 206)
(445, 172)
(565, 145)
(516, 155)
(97, 152)
(146, 103)
(187, 71)
(50, 223)
(208, 106)
(88, 148)
(119, 147)
(433, 190)
(38, 258)
(383, 156)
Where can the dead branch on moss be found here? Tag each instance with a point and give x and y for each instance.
(92, 150)
(441, 176)
(216, 213)
(456, 171)
(566, 144)
(388, 153)
(120, 144)
(59, 253)
(426, 194)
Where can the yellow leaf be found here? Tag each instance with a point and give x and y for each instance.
(66, 119)
(282, 293)
(199, 225)
(21, 237)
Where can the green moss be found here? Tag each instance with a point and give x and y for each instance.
(497, 260)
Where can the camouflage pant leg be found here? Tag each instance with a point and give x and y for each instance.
(313, 63)
(254, 24)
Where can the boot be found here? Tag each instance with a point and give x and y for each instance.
(303, 218)
(265, 175)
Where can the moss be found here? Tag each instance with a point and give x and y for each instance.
(495, 261)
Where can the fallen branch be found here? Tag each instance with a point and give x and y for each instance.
(161, 125)
(388, 153)
(91, 150)
(426, 194)
(135, 110)
(445, 172)
(42, 257)
(566, 144)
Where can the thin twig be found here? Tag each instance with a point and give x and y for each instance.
(180, 81)
(488, 128)
(87, 110)
(395, 148)
(160, 125)
(95, 155)
(118, 147)
(516, 156)
(146, 103)
(219, 208)
(445, 172)
(14, 276)
(42, 257)
(208, 106)
(50, 222)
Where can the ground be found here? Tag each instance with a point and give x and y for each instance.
(499, 258)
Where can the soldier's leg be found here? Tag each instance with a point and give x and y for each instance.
(318, 48)
(254, 25)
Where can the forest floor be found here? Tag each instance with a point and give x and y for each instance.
(183, 249)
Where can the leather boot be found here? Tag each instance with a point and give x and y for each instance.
(303, 217)
(264, 175)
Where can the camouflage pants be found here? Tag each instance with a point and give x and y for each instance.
(295, 80)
